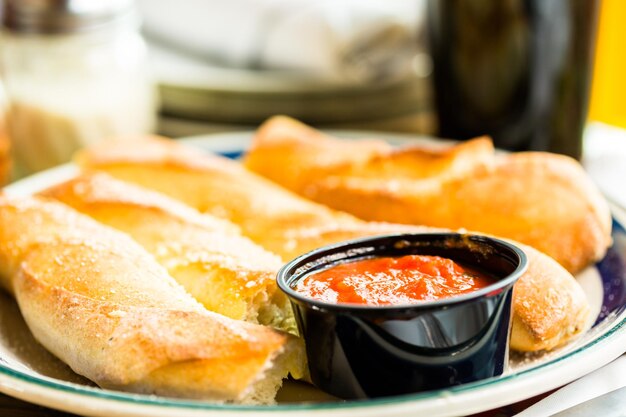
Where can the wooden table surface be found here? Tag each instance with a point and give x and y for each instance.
(12, 407)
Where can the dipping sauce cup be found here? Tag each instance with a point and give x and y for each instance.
(358, 351)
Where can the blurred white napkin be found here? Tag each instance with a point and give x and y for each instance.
(604, 158)
(604, 380)
(340, 38)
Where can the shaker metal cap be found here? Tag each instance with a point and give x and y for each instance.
(62, 16)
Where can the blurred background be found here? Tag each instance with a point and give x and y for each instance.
(531, 73)
(328, 63)
(609, 83)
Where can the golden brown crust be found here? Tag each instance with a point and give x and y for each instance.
(313, 143)
(288, 225)
(543, 200)
(175, 170)
(549, 305)
(100, 303)
(223, 270)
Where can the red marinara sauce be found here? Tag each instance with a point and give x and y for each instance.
(388, 280)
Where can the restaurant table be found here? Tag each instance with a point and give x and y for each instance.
(604, 159)
(16, 408)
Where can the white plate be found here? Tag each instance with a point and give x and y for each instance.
(28, 372)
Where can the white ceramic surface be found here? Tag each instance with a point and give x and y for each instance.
(28, 372)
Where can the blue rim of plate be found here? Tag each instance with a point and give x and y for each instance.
(612, 270)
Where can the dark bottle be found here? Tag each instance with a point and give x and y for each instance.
(518, 70)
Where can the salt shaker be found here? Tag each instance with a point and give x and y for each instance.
(75, 72)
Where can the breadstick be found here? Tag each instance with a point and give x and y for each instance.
(99, 302)
(289, 225)
(544, 200)
(223, 270)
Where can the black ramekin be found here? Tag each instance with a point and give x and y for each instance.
(359, 351)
